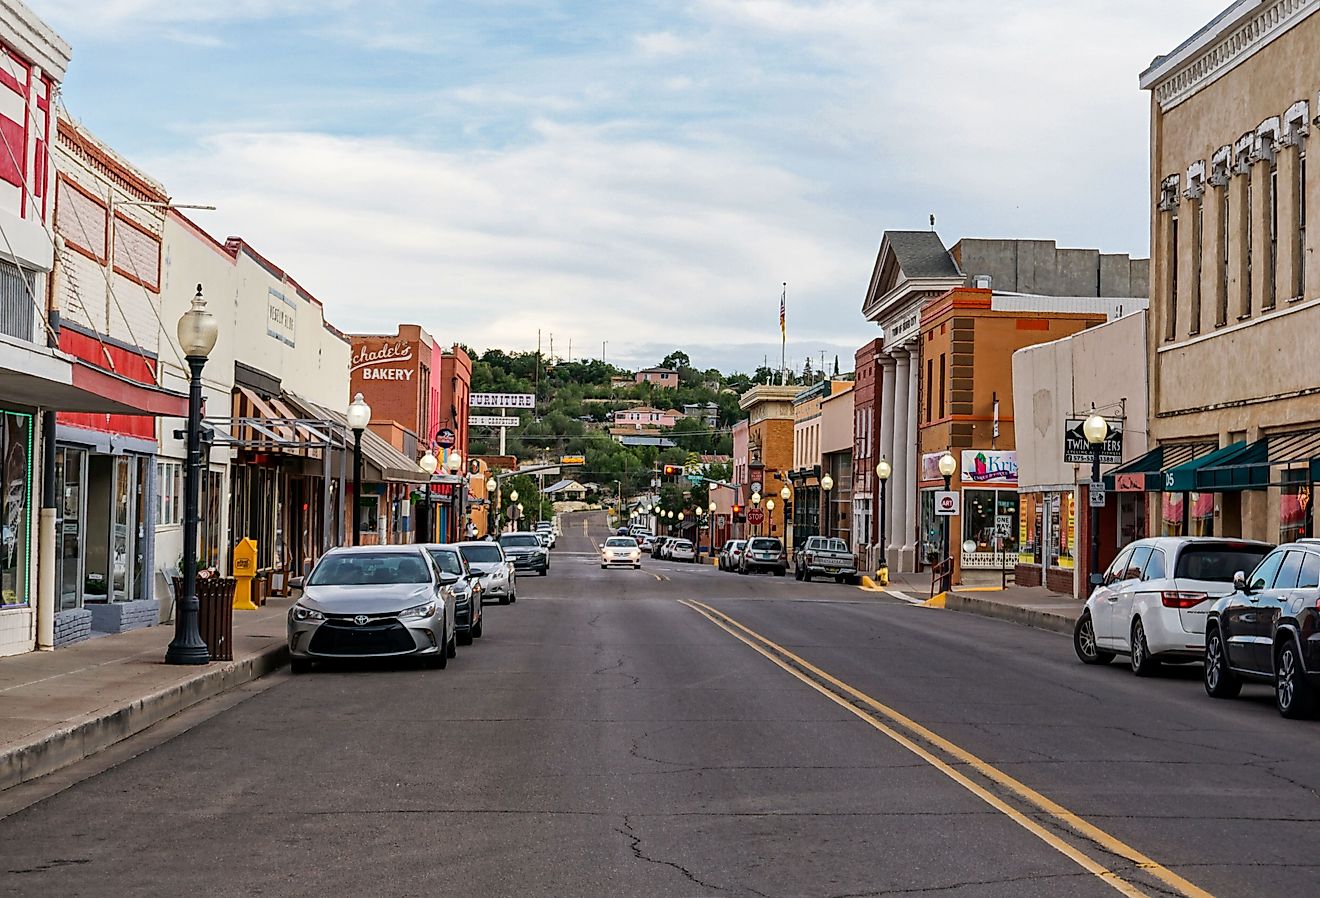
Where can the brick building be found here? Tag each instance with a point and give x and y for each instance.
(769, 451)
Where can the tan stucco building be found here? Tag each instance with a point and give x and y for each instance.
(1235, 285)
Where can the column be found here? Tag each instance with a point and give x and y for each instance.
(899, 485)
(884, 408)
(912, 541)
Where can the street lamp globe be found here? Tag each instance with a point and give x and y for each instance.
(827, 483)
(713, 506)
(884, 469)
(948, 464)
(429, 463)
(786, 493)
(513, 496)
(1095, 428)
(680, 515)
(756, 498)
(198, 329)
(520, 509)
(770, 505)
(455, 461)
(359, 413)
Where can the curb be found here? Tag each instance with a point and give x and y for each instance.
(1030, 617)
(84, 738)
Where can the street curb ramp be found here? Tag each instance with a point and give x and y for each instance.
(56, 749)
(1039, 618)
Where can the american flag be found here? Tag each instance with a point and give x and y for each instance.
(783, 302)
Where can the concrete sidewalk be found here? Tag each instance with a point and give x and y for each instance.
(1033, 606)
(59, 707)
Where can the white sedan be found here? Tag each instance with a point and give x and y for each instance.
(1151, 604)
(682, 550)
(621, 550)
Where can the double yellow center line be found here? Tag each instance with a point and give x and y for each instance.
(935, 749)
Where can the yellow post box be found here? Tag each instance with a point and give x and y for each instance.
(245, 568)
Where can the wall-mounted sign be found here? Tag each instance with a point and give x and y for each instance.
(930, 466)
(1077, 449)
(492, 421)
(388, 361)
(445, 438)
(502, 400)
(281, 317)
(989, 466)
(947, 503)
(572, 460)
(1129, 483)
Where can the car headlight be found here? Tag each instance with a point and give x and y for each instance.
(302, 612)
(419, 611)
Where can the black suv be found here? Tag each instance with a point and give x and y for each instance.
(1265, 631)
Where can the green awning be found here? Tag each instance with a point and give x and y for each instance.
(1182, 478)
(1144, 465)
(1252, 466)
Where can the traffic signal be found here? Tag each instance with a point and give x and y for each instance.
(673, 470)
(737, 509)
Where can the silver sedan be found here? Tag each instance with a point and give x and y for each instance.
(372, 602)
(499, 582)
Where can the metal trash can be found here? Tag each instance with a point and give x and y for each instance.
(215, 614)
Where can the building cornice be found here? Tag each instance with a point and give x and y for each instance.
(1231, 39)
(24, 30)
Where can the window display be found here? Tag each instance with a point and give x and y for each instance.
(16, 508)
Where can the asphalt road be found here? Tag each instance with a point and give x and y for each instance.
(675, 731)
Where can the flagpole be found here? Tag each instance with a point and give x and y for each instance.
(783, 336)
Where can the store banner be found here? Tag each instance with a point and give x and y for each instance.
(990, 466)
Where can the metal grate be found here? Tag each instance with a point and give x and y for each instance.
(17, 288)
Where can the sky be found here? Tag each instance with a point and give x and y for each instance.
(644, 174)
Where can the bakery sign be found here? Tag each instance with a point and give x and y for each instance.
(386, 361)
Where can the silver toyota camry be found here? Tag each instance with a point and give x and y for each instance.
(373, 602)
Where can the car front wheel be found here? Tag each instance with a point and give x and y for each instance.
(1143, 665)
(1220, 681)
(1084, 643)
(1292, 691)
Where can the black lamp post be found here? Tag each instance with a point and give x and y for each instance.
(827, 511)
(359, 416)
(1096, 430)
(428, 464)
(756, 504)
(948, 467)
(786, 494)
(882, 471)
(197, 331)
(710, 523)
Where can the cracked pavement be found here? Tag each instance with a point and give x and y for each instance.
(603, 740)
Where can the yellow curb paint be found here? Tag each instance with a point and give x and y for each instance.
(868, 583)
(1088, 831)
(939, 601)
(980, 589)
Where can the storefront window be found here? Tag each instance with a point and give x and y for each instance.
(15, 507)
(1063, 530)
(1201, 518)
(368, 513)
(1131, 517)
(70, 471)
(1294, 507)
(982, 511)
(1030, 512)
(932, 533)
(1172, 514)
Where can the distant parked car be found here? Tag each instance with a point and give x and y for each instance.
(731, 555)
(827, 556)
(1152, 602)
(682, 550)
(465, 585)
(658, 547)
(548, 532)
(526, 551)
(1266, 631)
(764, 553)
(498, 580)
(373, 602)
(647, 542)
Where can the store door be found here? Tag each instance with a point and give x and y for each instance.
(70, 524)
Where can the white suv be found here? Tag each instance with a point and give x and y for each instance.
(1153, 600)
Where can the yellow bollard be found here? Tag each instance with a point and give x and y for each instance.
(245, 568)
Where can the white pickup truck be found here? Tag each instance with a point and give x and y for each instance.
(827, 556)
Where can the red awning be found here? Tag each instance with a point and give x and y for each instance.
(113, 394)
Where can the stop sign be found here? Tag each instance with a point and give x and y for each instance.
(755, 516)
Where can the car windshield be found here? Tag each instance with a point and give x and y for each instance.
(489, 554)
(1218, 562)
(447, 561)
(544, 525)
(682, 544)
(764, 545)
(525, 540)
(621, 542)
(370, 569)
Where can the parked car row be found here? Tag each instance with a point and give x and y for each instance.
(673, 548)
(395, 601)
(1248, 610)
(760, 553)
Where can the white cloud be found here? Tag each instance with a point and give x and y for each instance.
(580, 233)
(662, 44)
(138, 15)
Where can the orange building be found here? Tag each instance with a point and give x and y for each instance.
(769, 453)
(965, 406)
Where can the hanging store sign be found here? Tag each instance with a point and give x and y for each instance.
(989, 466)
(1129, 483)
(502, 400)
(445, 438)
(492, 421)
(281, 317)
(1077, 448)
